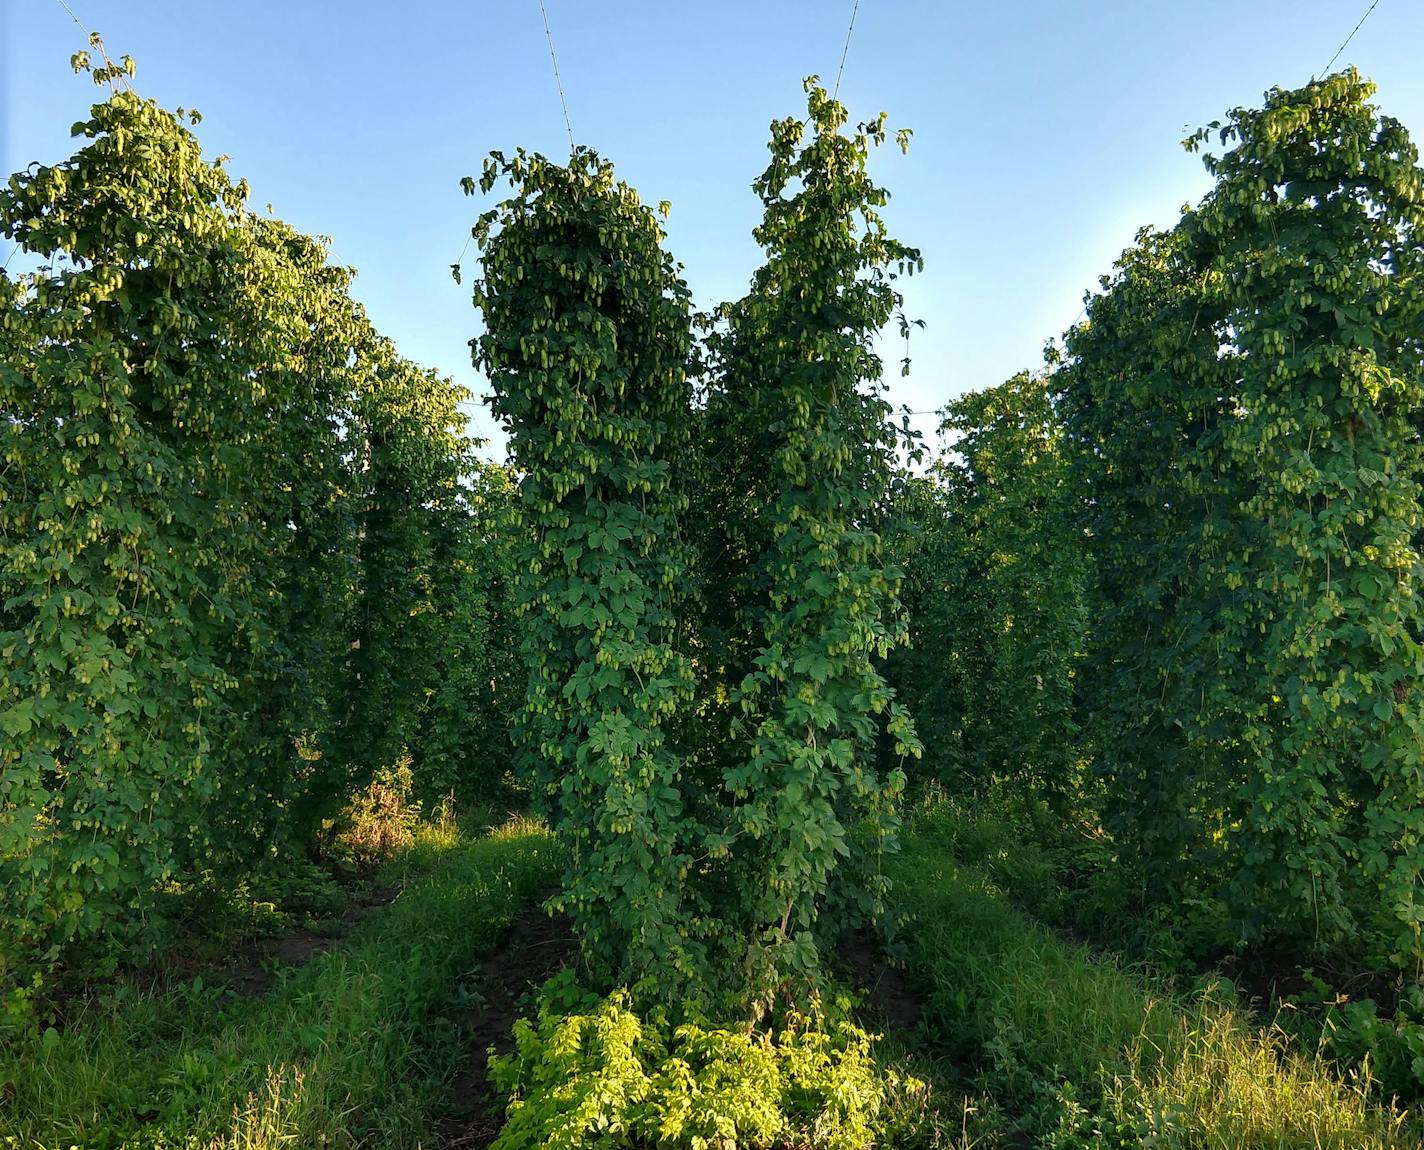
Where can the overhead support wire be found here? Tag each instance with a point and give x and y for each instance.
(558, 80)
(846, 49)
(75, 18)
(563, 104)
(1350, 37)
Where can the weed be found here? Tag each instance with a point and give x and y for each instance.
(380, 821)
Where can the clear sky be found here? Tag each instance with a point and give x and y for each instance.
(1045, 131)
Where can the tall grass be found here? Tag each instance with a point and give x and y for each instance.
(1078, 1052)
(350, 1049)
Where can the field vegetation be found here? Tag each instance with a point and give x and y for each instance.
(728, 768)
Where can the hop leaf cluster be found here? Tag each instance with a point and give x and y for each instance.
(599, 1074)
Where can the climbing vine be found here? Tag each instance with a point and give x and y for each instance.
(131, 379)
(1310, 245)
(802, 598)
(288, 650)
(475, 678)
(188, 534)
(995, 596)
(1145, 397)
(410, 518)
(1242, 404)
(587, 342)
(937, 673)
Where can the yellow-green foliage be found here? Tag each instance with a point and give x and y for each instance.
(602, 1076)
(1224, 1086)
(381, 820)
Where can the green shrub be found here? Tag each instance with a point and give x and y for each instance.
(1355, 1033)
(591, 1072)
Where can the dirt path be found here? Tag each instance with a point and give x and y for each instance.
(252, 968)
(889, 998)
(537, 948)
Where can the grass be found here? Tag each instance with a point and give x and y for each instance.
(1028, 1038)
(350, 1049)
(1070, 1050)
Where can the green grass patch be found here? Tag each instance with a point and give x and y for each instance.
(350, 1049)
(1075, 1052)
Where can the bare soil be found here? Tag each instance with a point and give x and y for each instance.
(251, 970)
(537, 948)
(889, 996)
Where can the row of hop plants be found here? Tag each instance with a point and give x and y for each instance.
(246, 555)
(1171, 584)
(700, 728)
(706, 604)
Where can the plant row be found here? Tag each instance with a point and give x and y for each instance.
(246, 558)
(1171, 584)
(354, 1048)
(704, 590)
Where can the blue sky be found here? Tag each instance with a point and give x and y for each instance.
(1045, 131)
